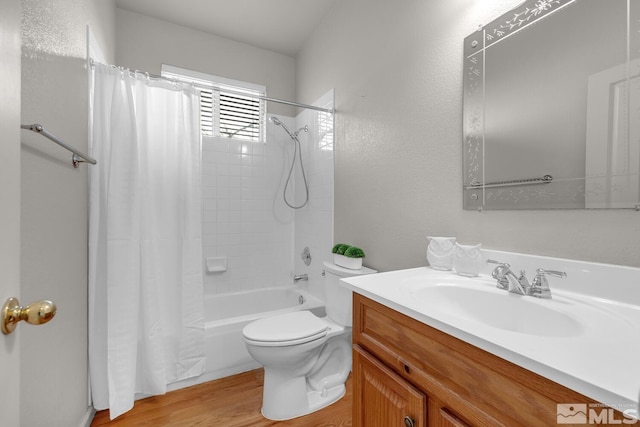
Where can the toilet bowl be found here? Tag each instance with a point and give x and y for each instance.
(306, 358)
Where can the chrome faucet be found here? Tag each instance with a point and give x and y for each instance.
(540, 285)
(299, 277)
(509, 281)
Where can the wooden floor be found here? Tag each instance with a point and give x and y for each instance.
(229, 402)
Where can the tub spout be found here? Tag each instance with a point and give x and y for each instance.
(299, 277)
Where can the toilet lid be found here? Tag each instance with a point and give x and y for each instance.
(297, 327)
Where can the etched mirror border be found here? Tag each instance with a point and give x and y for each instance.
(473, 120)
(474, 194)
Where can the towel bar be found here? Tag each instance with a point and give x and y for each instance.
(77, 157)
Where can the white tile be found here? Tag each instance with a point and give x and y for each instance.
(258, 149)
(235, 147)
(222, 169)
(209, 192)
(235, 170)
(234, 159)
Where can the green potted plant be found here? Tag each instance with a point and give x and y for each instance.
(347, 256)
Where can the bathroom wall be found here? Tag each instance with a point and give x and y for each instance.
(54, 204)
(397, 76)
(145, 43)
(10, 196)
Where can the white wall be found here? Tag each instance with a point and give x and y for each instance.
(145, 43)
(10, 196)
(396, 68)
(54, 204)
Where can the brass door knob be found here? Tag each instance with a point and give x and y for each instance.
(35, 313)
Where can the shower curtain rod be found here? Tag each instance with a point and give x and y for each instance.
(264, 98)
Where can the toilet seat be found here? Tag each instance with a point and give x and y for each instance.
(293, 328)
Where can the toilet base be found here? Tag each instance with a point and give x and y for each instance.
(316, 400)
(318, 381)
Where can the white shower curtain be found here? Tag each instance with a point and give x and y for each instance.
(145, 255)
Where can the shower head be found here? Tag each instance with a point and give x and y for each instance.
(294, 136)
(275, 120)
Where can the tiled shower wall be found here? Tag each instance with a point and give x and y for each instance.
(314, 222)
(245, 218)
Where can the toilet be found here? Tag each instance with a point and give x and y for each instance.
(306, 358)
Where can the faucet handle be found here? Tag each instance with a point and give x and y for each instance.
(493, 261)
(499, 273)
(554, 273)
(540, 284)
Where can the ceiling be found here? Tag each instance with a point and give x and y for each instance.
(278, 25)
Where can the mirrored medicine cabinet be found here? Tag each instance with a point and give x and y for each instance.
(551, 113)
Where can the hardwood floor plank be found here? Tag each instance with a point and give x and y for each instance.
(230, 402)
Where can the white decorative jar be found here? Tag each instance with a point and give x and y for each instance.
(467, 259)
(347, 262)
(440, 252)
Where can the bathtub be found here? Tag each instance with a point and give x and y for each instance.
(224, 317)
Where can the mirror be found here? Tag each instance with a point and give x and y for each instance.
(552, 107)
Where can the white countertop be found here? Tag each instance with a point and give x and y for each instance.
(601, 360)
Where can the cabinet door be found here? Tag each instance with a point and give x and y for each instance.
(381, 398)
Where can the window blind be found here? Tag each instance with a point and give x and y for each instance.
(228, 108)
(237, 115)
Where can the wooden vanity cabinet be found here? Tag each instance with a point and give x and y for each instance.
(385, 399)
(405, 368)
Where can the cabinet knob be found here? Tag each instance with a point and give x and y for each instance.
(408, 422)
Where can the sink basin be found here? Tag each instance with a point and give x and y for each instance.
(500, 309)
(584, 338)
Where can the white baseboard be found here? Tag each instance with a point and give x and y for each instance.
(88, 417)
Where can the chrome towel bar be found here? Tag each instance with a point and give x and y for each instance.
(77, 157)
(477, 185)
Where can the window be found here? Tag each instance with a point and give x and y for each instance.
(228, 108)
(325, 130)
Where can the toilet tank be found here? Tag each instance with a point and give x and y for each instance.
(338, 298)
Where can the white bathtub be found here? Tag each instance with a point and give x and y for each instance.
(224, 317)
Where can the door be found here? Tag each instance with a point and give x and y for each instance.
(381, 398)
(10, 203)
(612, 166)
